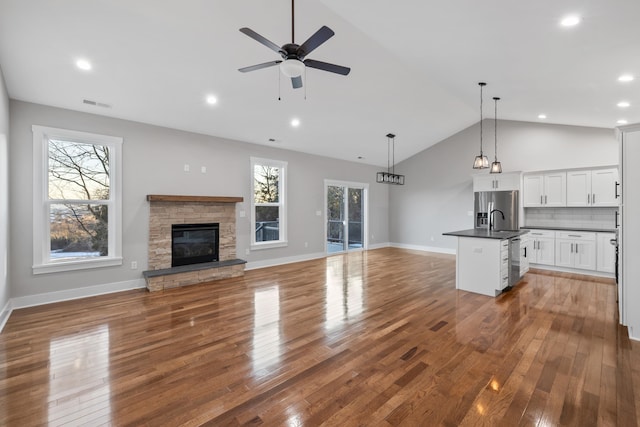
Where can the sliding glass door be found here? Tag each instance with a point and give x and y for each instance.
(346, 216)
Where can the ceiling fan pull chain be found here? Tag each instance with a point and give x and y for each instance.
(279, 84)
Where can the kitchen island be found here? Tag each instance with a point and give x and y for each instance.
(486, 263)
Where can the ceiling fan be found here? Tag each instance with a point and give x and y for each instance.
(293, 60)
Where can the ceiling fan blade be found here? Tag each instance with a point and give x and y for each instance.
(320, 36)
(259, 66)
(325, 66)
(296, 82)
(257, 37)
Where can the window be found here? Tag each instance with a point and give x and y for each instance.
(268, 208)
(77, 200)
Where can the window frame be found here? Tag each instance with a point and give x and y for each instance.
(282, 204)
(42, 263)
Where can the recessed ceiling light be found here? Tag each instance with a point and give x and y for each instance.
(622, 122)
(570, 21)
(295, 123)
(623, 104)
(542, 116)
(83, 64)
(625, 78)
(211, 100)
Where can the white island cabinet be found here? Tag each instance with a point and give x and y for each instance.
(482, 261)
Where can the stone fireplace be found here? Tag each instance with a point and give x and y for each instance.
(167, 212)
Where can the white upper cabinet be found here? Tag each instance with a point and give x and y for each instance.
(545, 190)
(592, 187)
(579, 188)
(604, 186)
(497, 182)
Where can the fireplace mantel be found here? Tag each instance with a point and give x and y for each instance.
(193, 199)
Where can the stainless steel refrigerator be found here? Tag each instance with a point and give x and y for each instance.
(498, 209)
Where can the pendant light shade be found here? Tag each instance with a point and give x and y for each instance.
(496, 166)
(390, 176)
(481, 161)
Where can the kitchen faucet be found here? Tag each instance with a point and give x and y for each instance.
(491, 216)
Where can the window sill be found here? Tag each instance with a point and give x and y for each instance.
(76, 265)
(259, 246)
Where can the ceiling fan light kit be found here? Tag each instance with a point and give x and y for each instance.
(390, 176)
(294, 60)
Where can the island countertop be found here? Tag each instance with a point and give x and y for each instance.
(486, 234)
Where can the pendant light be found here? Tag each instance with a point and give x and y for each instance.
(390, 177)
(496, 167)
(481, 161)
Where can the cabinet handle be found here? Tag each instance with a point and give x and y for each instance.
(575, 235)
(588, 199)
(572, 248)
(525, 251)
(593, 199)
(616, 189)
(545, 200)
(541, 202)
(617, 225)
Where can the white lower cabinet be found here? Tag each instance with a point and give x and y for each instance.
(576, 250)
(543, 247)
(605, 252)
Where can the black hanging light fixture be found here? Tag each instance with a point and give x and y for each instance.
(496, 167)
(390, 177)
(481, 161)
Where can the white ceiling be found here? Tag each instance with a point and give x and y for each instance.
(415, 66)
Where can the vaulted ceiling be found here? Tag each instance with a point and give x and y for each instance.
(415, 66)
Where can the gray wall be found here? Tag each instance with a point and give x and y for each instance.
(153, 159)
(438, 193)
(4, 195)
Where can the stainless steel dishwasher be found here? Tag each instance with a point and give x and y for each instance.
(514, 260)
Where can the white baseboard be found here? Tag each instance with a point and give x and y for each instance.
(5, 313)
(424, 248)
(379, 246)
(572, 270)
(252, 265)
(71, 294)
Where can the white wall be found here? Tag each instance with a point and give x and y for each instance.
(438, 193)
(4, 201)
(153, 161)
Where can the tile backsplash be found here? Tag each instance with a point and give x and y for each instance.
(581, 218)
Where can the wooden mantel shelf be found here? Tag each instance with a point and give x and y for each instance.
(197, 199)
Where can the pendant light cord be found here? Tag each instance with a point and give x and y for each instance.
(481, 86)
(495, 133)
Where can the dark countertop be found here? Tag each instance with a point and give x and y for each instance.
(592, 230)
(485, 234)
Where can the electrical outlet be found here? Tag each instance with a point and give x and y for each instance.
(432, 239)
(243, 214)
(203, 169)
(306, 244)
(186, 168)
(134, 265)
(246, 251)
(318, 213)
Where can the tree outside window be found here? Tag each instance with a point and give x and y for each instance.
(77, 185)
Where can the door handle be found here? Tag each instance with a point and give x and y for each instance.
(617, 184)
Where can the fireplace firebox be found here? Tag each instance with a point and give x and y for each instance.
(194, 243)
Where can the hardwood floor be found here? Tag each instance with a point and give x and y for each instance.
(374, 338)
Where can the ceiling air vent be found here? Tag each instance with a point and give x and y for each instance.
(95, 103)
